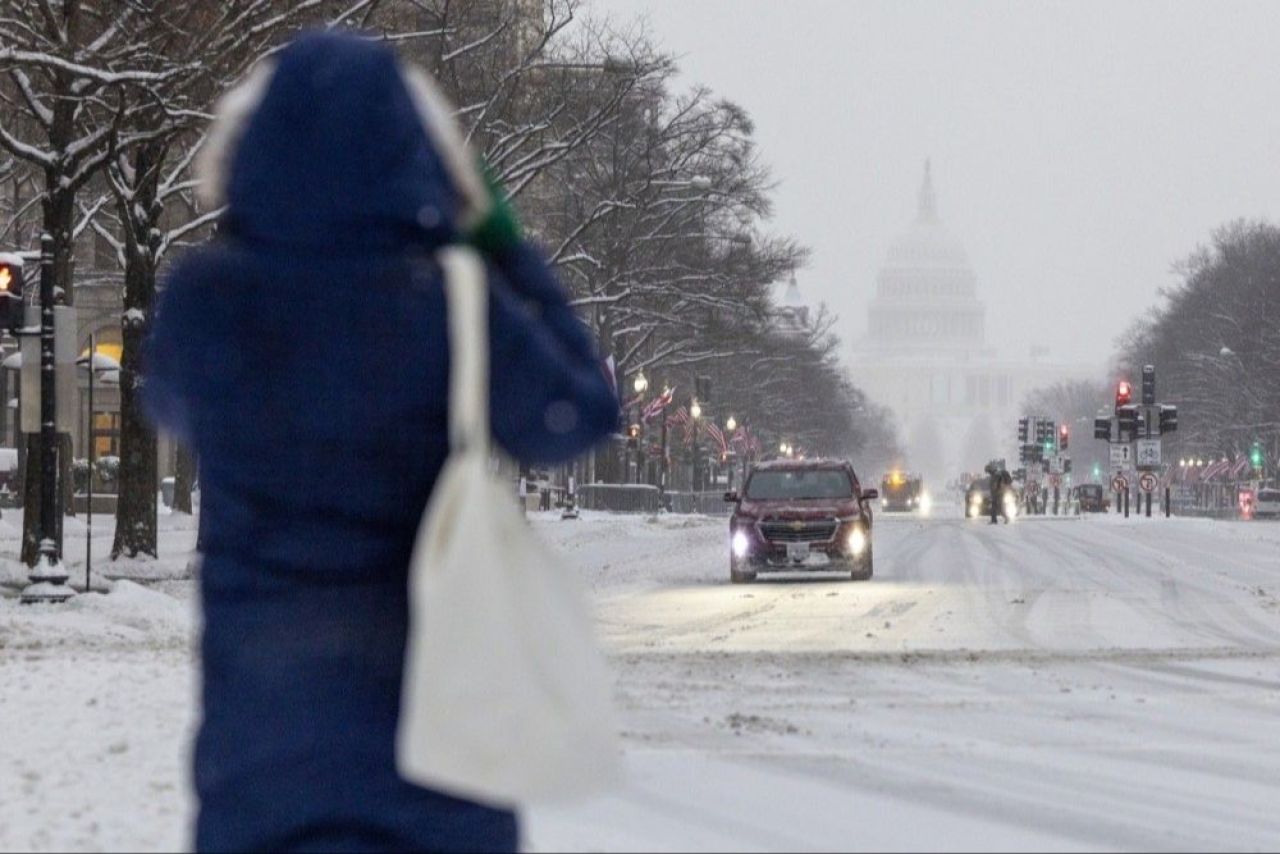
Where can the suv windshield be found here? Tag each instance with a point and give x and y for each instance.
(1269, 495)
(791, 485)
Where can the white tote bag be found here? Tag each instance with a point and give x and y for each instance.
(506, 696)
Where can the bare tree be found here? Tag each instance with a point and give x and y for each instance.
(1215, 342)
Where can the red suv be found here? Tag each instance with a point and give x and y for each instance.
(800, 515)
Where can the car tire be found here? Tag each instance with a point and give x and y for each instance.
(740, 576)
(863, 569)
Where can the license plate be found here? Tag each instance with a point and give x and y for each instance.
(797, 552)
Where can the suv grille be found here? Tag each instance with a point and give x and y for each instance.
(809, 531)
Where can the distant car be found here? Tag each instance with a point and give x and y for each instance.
(1092, 498)
(977, 498)
(901, 492)
(1267, 504)
(800, 515)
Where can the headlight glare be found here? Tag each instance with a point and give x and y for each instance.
(740, 544)
(857, 542)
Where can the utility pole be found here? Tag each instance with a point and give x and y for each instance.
(48, 578)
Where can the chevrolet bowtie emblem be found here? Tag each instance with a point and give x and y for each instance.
(797, 525)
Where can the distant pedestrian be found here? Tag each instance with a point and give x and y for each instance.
(311, 337)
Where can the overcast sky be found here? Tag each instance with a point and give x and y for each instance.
(1078, 149)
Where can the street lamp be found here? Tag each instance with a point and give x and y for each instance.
(695, 412)
(640, 384)
(662, 463)
(731, 424)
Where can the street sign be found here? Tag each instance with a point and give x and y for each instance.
(1147, 482)
(1148, 453)
(1121, 456)
(1119, 483)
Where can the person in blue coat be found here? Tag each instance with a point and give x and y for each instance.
(303, 355)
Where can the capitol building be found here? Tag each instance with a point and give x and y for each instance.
(926, 356)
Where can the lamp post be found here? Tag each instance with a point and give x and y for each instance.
(695, 412)
(730, 426)
(641, 385)
(662, 463)
(49, 577)
(93, 362)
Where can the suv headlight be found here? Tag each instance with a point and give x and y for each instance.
(857, 541)
(740, 544)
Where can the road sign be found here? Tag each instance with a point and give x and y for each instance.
(1147, 482)
(1148, 453)
(1121, 456)
(1120, 483)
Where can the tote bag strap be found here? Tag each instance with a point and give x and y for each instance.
(466, 290)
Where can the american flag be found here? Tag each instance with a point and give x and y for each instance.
(680, 418)
(745, 441)
(655, 407)
(717, 436)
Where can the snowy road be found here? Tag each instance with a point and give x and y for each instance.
(1065, 684)
(1075, 684)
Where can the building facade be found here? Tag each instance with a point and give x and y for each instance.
(926, 355)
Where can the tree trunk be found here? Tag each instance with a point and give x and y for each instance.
(136, 504)
(184, 475)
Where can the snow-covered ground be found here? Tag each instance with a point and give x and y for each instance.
(1064, 684)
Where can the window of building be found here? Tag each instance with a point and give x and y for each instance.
(106, 434)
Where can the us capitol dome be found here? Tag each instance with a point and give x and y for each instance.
(925, 355)
(926, 293)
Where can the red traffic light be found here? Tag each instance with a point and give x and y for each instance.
(11, 294)
(633, 431)
(1063, 430)
(1124, 393)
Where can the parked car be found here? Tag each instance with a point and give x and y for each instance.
(801, 515)
(1267, 504)
(1092, 498)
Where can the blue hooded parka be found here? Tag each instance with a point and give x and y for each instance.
(304, 356)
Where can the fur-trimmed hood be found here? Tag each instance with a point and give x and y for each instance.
(335, 145)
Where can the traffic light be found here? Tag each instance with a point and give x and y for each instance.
(633, 436)
(1168, 419)
(1102, 429)
(1024, 427)
(1064, 437)
(11, 293)
(1124, 394)
(1149, 385)
(1097, 471)
(1256, 456)
(1127, 420)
